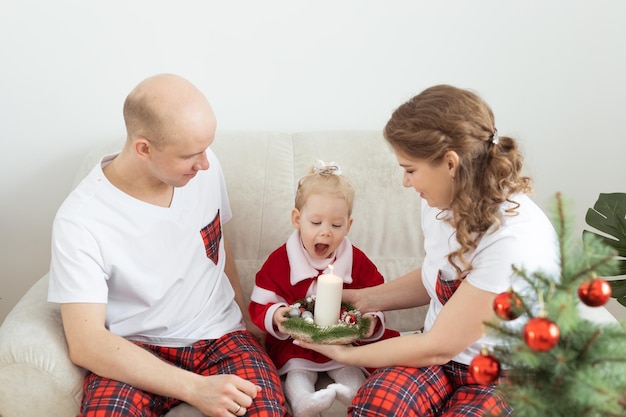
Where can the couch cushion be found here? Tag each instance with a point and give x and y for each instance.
(34, 360)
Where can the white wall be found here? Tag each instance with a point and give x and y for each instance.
(554, 72)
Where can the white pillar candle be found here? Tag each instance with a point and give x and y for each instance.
(328, 299)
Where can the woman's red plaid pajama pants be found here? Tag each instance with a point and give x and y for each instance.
(447, 390)
(236, 353)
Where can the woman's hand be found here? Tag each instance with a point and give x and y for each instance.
(340, 353)
(404, 292)
(357, 298)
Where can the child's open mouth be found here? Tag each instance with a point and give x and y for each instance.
(321, 249)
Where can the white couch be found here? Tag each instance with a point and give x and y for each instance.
(261, 168)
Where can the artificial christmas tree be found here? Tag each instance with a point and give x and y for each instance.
(555, 362)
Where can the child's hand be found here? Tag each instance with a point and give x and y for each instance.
(281, 315)
(373, 323)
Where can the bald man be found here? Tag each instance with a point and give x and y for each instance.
(149, 294)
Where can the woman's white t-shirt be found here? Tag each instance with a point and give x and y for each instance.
(159, 270)
(526, 240)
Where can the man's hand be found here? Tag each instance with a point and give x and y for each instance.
(223, 395)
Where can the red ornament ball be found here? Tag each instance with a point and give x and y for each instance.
(508, 305)
(485, 368)
(350, 318)
(594, 292)
(541, 334)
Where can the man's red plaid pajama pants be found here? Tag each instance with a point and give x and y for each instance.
(236, 353)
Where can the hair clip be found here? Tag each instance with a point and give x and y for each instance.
(494, 137)
(326, 168)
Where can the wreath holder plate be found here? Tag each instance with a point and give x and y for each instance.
(350, 328)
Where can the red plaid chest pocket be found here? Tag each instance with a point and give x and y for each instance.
(211, 236)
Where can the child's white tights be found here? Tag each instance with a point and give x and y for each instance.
(348, 380)
(305, 401)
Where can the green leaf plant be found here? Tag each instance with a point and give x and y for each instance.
(608, 216)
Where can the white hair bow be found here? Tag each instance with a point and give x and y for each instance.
(326, 168)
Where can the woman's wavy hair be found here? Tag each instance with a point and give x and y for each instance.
(444, 118)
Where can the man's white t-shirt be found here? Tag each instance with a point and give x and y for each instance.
(526, 240)
(159, 270)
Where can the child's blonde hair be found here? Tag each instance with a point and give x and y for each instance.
(324, 177)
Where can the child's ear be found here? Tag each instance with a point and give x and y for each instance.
(349, 223)
(295, 218)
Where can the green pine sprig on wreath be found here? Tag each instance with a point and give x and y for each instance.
(341, 333)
